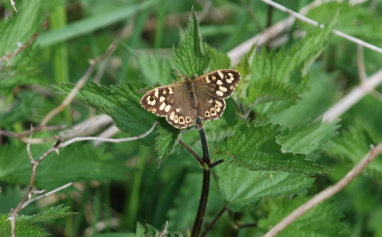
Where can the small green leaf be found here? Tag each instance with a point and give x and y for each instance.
(190, 58)
(52, 213)
(154, 69)
(321, 221)
(255, 148)
(166, 140)
(219, 59)
(240, 188)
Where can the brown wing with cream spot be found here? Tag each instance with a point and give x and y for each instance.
(212, 89)
(172, 102)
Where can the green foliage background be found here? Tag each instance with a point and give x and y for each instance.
(277, 152)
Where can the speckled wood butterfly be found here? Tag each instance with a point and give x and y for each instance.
(181, 103)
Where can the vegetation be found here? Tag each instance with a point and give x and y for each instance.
(282, 139)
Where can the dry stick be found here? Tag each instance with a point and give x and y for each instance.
(328, 192)
(315, 23)
(78, 86)
(352, 97)
(19, 50)
(13, 5)
(193, 153)
(213, 222)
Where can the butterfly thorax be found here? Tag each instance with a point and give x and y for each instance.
(189, 86)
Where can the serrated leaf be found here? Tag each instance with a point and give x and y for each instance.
(286, 68)
(52, 213)
(256, 149)
(151, 231)
(122, 104)
(190, 58)
(353, 145)
(240, 187)
(154, 69)
(165, 142)
(219, 59)
(78, 162)
(321, 221)
(307, 137)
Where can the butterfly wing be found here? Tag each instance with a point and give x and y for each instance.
(172, 102)
(211, 89)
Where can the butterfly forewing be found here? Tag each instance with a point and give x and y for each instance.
(182, 102)
(167, 101)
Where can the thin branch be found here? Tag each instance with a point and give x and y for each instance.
(13, 5)
(315, 23)
(193, 153)
(77, 87)
(328, 192)
(22, 48)
(76, 139)
(213, 222)
(45, 195)
(352, 97)
(164, 231)
(206, 182)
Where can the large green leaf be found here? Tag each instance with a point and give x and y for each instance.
(255, 148)
(240, 187)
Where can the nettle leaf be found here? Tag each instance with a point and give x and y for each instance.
(308, 137)
(25, 224)
(240, 187)
(190, 58)
(149, 230)
(256, 149)
(23, 228)
(353, 145)
(77, 162)
(321, 221)
(166, 141)
(219, 59)
(288, 69)
(122, 104)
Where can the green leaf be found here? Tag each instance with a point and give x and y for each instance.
(190, 58)
(151, 231)
(219, 59)
(166, 141)
(321, 221)
(154, 69)
(255, 148)
(77, 162)
(308, 137)
(122, 104)
(240, 188)
(24, 224)
(353, 145)
(286, 70)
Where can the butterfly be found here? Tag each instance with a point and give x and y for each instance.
(181, 103)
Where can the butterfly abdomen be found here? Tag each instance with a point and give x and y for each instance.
(189, 87)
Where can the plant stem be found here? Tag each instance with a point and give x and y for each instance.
(206, 182)
(213, 221)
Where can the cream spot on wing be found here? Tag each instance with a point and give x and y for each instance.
(213, 112)
(213, 78)
(168, 107)
(154, 110)
(230, 74)
(151, 100)
(231, 88)
(188, 119)
(229, 80)
(219, 82)
(162, 98)
(162, 106)
(172, 115)
(218, 103)
(170, 90)
(207, 79)
(210, 101)
(181, 120)
(176, 119)
(164, 92)
(222, 88)
(220, 74)
(207, 114)
(219, 93)
(177, 110)
(217, 108)
(156, 93)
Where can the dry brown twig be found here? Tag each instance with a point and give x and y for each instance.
(19, 50)
(328, 192)
(13, 5)
(27, 199)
